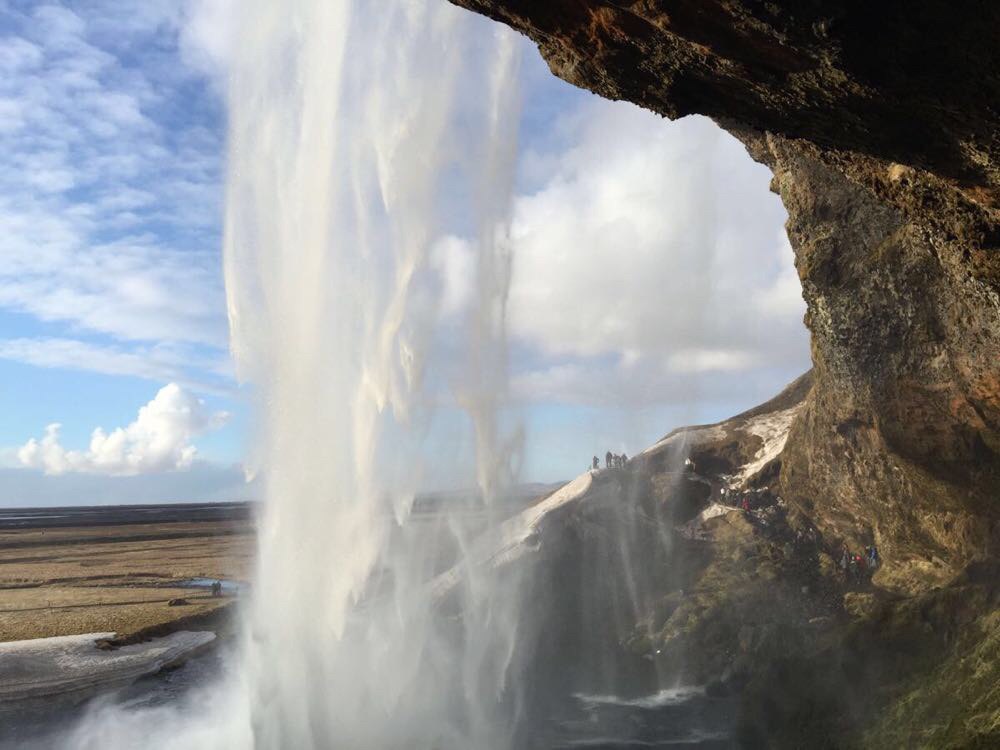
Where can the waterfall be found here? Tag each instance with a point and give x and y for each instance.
(344, 126)
(361, 134)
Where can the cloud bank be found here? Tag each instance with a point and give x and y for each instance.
(158, 440)
(650, 264)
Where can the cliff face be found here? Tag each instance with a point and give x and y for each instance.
(879, 121)
(666, 572)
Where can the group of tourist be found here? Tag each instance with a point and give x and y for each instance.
(857, 567)
(611, 461)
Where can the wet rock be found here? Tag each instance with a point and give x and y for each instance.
(716, 689)
(71, 665)
(860, 605)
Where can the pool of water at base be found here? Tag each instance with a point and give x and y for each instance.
(680, 717)
(229, 588)
(676, 717)
(42, 724)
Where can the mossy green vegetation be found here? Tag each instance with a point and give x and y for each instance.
(957, 705)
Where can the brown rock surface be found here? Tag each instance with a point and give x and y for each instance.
(880, 123)
(756, 603)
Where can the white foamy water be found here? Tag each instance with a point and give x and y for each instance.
(667, 697)
(360, 133)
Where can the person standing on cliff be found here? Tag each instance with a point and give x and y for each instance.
(607, 460)
(597, 463)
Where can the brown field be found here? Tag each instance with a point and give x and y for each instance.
(68, 580)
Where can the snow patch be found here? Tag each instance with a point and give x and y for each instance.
(72, 663)
(773, 430)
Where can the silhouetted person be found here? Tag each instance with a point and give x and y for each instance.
(624, 460)
(217, 588)
(607, 459)
(597, 463)
(857, 570)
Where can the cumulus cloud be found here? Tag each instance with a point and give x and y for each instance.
(648, 256)
(647, 235)
(158, 440)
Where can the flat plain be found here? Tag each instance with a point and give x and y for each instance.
(91, 570)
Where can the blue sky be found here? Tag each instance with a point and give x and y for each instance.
(653, 284)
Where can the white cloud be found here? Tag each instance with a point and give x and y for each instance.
(158, 440)
(648, 254)
(711, 360)
(110, 200)
(208, 35)
(694, 379)
(206, 374)
(648, 235)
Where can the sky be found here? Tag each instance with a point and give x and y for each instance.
(653, 283)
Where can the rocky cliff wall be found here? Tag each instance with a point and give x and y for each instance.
(879, 121)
